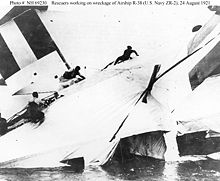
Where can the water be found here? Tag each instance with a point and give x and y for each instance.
(137, 170)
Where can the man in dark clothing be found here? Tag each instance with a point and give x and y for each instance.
(67, 74)
(32, 113)
(73, 73)
(3, 126)
(77, 73)
(126, 55)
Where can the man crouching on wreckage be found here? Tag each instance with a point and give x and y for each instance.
(32, 114)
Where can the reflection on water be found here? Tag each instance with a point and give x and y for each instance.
(136, 169)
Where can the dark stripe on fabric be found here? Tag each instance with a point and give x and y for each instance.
(208, 66)
(35, 33)
(8, 65)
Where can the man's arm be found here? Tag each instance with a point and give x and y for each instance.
(135, 53)
(81, 76)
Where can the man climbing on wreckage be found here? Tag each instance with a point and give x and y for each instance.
(126, 55)
(32, 114)
(73, 73)
(122, 58)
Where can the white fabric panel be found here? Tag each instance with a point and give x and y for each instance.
(174, 87)
(21, 51)
(94, 112)
(46, 68)
(145, 118)
(208, 31)
(93, 153)
(200, 110)
(47, 159)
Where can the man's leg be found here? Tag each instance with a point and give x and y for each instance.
(118, 60)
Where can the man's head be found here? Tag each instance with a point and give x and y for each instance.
(35, 94)
(129, 47)
(77, 68)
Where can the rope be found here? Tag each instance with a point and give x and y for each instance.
(45, 92)
(11, 118)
